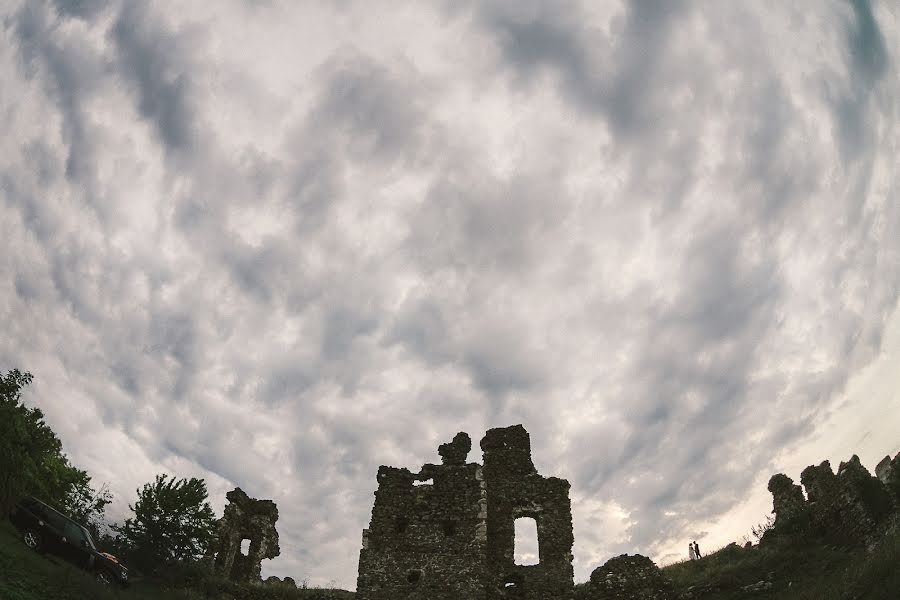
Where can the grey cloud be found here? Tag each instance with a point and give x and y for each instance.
(483, 225)
(869, 62)
(621, 87)
(377, 111)
(74, 74)
(82, 9)
(152, 61)
(866, 43)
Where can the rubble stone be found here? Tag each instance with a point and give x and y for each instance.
(629, 578)
(447, 532)
(245, 518)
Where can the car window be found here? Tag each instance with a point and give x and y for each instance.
(74, 533)
(89, 538)
(55, 520)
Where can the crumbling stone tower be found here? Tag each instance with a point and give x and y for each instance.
(448, 533)
(847, 508)
(516, 490)
(245, 518)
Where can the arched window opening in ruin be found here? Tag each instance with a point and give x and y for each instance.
(401, 524)
(414, 576)
(526, 546)
(418, 483)
(245, 547)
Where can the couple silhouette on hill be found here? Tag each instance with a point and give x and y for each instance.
(694, 550)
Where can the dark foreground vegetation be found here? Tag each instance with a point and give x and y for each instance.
(27, 575)
(794, 570)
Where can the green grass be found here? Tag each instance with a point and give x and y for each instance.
(797, 571)
(27, 575)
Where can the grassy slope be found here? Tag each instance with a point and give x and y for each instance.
(797, 572)
(26, 575)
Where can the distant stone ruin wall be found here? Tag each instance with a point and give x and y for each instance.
(245, 518)
(849, 507)
(447, 532)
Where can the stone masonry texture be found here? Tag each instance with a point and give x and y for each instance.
(245, 518)
(848, 508)
(628, 578)
(448, 531)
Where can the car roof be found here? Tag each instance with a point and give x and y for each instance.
(47, 506)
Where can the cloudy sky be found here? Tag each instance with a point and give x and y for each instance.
(276, 244)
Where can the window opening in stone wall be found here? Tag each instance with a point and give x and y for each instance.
(414, 576)
(245, 547)
(526, 546)
(401, 524)
(417, 483)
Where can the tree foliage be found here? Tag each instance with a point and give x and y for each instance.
(172, 522)
(32, 461)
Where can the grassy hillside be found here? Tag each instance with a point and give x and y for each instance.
(797, 571)
(26, 575)
(788, 572)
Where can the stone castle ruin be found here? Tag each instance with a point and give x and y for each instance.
(849, 507)
(448, 531)
(245, 518)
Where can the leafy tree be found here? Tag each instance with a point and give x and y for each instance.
(172, 522)
(32, 461)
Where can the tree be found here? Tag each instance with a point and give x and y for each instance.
(32, 460)
(172, 522)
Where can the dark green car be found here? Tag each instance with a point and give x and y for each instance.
(44, 529)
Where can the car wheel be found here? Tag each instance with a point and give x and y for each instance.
(103, 578)
(32, 539)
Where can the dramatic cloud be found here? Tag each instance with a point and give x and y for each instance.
(276, 246)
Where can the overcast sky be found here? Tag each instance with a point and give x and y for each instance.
(277, 244)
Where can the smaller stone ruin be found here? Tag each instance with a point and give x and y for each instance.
(850, 507)
(245, 518)
(625, 578)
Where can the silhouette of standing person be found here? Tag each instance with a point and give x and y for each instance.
(691, 551)
(697, 550)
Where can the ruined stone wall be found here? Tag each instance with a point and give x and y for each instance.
(848, 508)
(453, 537)
(245, 518)
(790, 508)
(515, 489)
(428, 540)
(888, 472)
